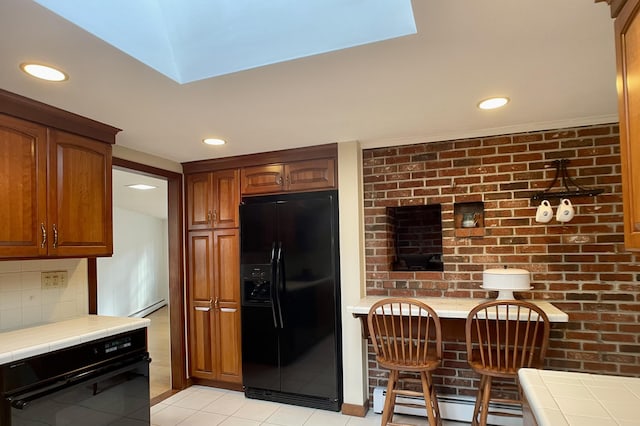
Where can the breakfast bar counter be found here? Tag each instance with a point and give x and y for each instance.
(452, 312)
(454, 307)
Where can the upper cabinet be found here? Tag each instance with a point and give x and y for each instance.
(213, 199)
(293, 176)
(23, 188)
(55, 182)
(627, 30)
(80, 196)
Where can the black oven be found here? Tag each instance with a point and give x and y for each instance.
(103, 382)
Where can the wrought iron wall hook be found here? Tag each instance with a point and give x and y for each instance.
(561, 171)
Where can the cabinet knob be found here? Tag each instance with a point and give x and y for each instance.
(209, 216)
(216, 304)
(43, 244)
(215, 215)
(55, 236)
(279, 180)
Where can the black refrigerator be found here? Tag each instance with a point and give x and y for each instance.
(291, 340)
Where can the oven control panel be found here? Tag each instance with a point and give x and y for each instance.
(121, 344)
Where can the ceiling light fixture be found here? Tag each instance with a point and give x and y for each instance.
(493, 103)
(43, 72)
(214, 141)
(141, 186)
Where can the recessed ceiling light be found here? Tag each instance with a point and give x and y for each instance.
(493, 103)
(213, 141)
(141, 186)
(44, 72)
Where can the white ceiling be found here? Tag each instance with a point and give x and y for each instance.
(554, 59)
(153, 202)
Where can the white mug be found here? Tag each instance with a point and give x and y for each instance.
(565, 211)
(544, 212)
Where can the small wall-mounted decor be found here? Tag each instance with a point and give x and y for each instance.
(468, 219)
(572, 188)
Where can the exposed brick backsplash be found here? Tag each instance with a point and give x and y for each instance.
(580, 266)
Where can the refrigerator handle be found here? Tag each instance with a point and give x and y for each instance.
(279, 279)
(273, 285)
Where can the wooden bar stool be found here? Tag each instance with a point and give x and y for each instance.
(407, 336)
(503, 336)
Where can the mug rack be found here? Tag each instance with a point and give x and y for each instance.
(561, 171)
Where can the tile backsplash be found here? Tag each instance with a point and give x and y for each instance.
(23, 300)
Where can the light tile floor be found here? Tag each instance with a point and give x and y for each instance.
(205, 406)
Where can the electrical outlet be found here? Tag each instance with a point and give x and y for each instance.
(53, 279)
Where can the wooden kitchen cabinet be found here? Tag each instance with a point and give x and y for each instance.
(213, 199)
(55, 192)
(214, 299)
(627, 31)
(293, 176)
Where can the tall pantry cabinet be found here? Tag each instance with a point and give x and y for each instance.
(213, 256)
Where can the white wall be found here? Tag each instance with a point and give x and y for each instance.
(24, 303)
(351, 271)
(137, 276)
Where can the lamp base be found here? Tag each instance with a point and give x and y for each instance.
(506, 293)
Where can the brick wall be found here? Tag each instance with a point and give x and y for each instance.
(581, 266)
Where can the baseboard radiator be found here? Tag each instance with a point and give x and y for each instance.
(149, 309)
(456, 408)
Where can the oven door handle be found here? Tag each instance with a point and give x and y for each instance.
(21, 401)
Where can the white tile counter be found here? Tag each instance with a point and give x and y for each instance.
(558, 398)
(27, 342)
(454, 307)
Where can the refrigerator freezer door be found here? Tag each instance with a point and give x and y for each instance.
(257, 233)
(260, 330)
(260, 353)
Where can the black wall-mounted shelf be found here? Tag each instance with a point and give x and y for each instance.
(561, 171)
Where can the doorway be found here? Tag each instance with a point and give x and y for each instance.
(172, 315)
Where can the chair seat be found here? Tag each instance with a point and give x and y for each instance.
(500, 371)
(430, 363)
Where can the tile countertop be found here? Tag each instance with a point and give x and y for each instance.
(559, 398)
(26, 342)
(454, 307)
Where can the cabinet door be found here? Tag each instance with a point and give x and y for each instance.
(23, 202)
(312, 174)
(262, 179)
(227, 281)
(627, 29)
(80, 215)
(226, 199)
(201, 314)
(199, 201)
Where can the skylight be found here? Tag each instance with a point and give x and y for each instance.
(190, 40)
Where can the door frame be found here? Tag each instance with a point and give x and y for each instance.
(176, 267)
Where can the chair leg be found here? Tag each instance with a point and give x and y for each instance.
(478, 404)
(390, 399)
(430, 399)
(486, 396)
